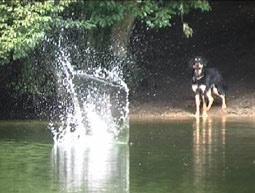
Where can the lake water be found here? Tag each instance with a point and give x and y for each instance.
(168, 156)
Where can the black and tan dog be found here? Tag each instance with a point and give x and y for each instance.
(205, 83)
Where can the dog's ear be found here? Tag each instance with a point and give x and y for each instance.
(191, 63)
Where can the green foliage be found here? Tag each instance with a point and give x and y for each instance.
(24, 24)
(185, 8)
(188, 31)
(106, 13)
(159, 14)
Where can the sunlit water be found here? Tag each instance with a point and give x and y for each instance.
(92, 168)
(213, 156)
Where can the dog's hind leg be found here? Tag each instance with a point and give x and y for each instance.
(222, 96)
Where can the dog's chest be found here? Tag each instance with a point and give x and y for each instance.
(198, 81)
(196, 87)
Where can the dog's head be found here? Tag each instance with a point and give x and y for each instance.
(197, 62)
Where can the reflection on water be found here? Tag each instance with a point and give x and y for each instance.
(209, 140)
(182, 156)
(213, 155)
(95, 168)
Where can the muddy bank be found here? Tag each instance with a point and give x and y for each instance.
(176, 101)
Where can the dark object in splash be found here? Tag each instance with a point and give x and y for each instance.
(205, 83)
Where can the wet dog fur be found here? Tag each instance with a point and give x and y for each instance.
(206, 82)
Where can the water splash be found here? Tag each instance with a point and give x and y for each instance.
(96, 105)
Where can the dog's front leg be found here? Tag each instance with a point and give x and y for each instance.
(205, 115)
(210, 98)
(197, 101)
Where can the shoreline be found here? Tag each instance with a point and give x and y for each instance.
(179, 104)
(180, 114)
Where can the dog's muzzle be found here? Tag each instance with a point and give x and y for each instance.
(197, 66)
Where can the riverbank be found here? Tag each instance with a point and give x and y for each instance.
(168, 101)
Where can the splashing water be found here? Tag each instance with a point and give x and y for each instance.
(96, 105)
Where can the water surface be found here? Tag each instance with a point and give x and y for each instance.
(212, 156)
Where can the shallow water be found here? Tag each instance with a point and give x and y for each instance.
(163, 156)
(212, 156)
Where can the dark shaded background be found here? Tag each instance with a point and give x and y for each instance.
(225, 36)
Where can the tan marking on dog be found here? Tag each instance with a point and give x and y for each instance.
(202, 87)
(194, 87)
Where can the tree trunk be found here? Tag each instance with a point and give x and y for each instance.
(98, 38)
(115, 37)
(120, 35)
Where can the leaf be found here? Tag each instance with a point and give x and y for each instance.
(188, 31)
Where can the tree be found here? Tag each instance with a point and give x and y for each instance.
(24, 24)
(29, 32)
